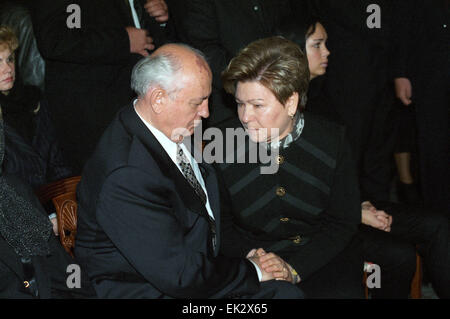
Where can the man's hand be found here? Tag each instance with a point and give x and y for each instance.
(157, 9)
(375, 218)
(140, 42)
(271, 265)
(403, 90)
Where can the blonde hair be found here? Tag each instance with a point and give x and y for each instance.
(8, 39)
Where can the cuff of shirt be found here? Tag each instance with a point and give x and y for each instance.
(51, 216)
(257, 270)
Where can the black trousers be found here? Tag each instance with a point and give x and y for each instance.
(341, 278)
(394, 252)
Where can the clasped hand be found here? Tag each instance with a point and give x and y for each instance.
(271, 265)
(373, 217)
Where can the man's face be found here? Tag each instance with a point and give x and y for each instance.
(186, 109)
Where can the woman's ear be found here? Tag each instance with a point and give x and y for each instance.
(292, 104)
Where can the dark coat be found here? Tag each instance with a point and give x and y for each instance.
(50, 271)
(309, 210)
(39, 161)
(422, 54)
(88, 70)
(141, 229)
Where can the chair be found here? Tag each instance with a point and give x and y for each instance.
(47, 192)
(62, 194)
(66, 214)
(416, 283)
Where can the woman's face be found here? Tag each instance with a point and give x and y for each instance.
(259, 112)
(7, 70)
(317, 52)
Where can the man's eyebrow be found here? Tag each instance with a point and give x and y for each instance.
(199, 99)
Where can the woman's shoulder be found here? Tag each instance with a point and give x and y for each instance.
(321, 135)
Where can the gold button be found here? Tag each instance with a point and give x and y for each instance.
(26, 284)
(297, 239)
(284, 219)
(281, 191)
(280, 159)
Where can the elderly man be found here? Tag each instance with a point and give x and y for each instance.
(150, 221)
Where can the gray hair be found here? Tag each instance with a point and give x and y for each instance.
(159, 70)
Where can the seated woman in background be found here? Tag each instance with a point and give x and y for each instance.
(308, 211)
(390, 231)
(32, 151)
(33, 264)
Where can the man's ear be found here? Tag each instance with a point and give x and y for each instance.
(156, 99)
(292, 104)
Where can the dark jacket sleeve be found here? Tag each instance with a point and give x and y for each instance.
(138, 217)
(89, 44)
(339, 224)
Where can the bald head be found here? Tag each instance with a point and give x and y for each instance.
(167, 67)
(173, 84)
(186, 60)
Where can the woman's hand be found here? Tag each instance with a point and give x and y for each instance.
(375, 218)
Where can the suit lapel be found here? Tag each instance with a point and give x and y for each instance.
(136, 127)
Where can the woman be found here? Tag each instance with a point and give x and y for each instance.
(32, 152)
(393, 248)
(308, 211)
(33, 263)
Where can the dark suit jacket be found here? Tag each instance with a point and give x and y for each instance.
(88, 70)
(141, 231)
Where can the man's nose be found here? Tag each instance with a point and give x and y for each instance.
(204, 109)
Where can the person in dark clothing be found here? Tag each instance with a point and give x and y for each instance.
(308, 211)
(33, 264)
(32, 151)
(389, 231)
(220, 28)
(88, 66)
(358, 84)
(421, 68)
